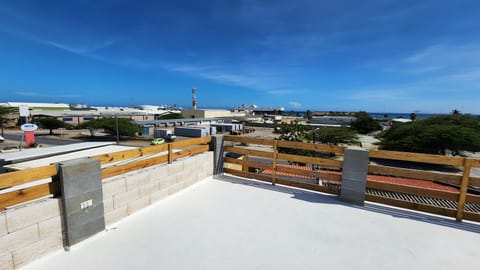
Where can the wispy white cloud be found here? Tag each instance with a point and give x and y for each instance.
(46, 95)
(264, 81)
(295, 104)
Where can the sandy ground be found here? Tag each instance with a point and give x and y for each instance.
(235, 223)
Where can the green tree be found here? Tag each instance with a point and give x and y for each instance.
(125, 126)
(293, 132)
(333, 135)
(4, 111)
(308, 115)
(413, 116)
(51, 123)
(365, 123)
(436, 135)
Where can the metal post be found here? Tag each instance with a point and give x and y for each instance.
(116, 128)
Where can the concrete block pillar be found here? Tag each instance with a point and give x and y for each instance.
(216, 145)
(82, 199)
(354, 178)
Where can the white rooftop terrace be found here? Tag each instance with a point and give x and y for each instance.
(234, 223)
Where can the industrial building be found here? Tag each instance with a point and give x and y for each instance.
(206, 113)
(333, 120)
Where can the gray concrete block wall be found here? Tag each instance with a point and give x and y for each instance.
(29, 231)
(126, 194)
(81, 183)
(354, 177)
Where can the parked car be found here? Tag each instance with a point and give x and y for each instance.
(158, 141)
(2, 138)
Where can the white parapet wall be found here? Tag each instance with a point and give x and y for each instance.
(32, 230)
(125, 194)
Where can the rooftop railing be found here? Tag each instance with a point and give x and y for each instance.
(25, 185)
(437, 192)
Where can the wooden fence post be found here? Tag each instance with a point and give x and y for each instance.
(170, 153)
(467, 167)
(275, 156)
(244, 165)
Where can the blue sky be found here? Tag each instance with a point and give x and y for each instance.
(379, 56)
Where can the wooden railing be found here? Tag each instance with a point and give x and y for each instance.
(461, 180)
(121, 162)
(275, 173)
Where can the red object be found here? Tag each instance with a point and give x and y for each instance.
(29, 138)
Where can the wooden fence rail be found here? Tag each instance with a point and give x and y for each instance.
(461, 180)
(150, 157)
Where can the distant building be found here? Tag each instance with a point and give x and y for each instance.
(206, 113)
(333, 120)
(255, 110)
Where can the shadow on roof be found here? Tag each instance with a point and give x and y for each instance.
(314, 197)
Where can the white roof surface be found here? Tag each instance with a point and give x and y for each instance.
(30, 154)
(73, 155)
(242, 224)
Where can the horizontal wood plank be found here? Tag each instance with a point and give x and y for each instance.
(28, 194)
(190, 152)
(313, 174)
(249, 152)
(411, 205)
(141, 164)
(191, 142)
(440, 194)
(415, 174)
(476, 163)
(11, 179)
(310, 146)
(473, 198)
(471, 216)
(417, 157)
(311, 160)
(263, 166)
(251, 140)
(132, 166)
(129, 154)
(282, 181)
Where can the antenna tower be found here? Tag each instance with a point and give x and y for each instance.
(194, 98)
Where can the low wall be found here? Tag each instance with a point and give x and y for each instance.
(125, 194)
(32, 230)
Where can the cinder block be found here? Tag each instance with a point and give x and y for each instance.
(138, 204)
(25, 255)
(189, 182)
(114, 186)
(190, 163)
(123, 198)
(20, 238)
(3, 225)
(168, 181)
(137, 180)
(50, 228)
(116, 215)
(354, 176)
(6, 261)
(175, 188)
(108, 205)
(158, 195)
(158, 172)
(182, 176)
(32, 213)
(175, 167)
(149, 188)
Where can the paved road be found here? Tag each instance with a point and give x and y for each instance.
(13, 140)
